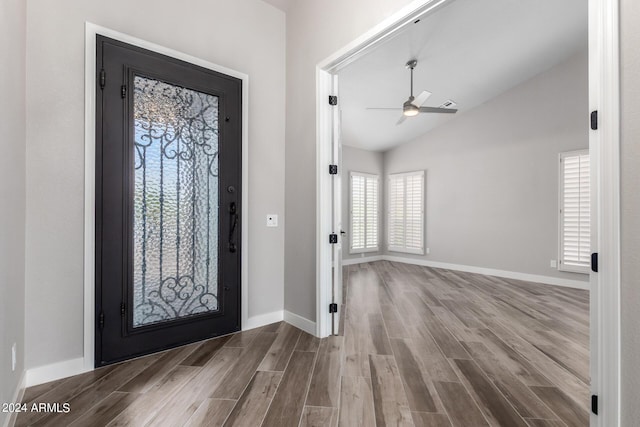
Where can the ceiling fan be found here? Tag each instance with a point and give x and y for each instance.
(413, 106)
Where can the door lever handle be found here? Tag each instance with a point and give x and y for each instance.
(234, 224)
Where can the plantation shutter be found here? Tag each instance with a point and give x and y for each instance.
(406, 212)
(357, 211)
(371, 210)
(575, 218)
(364, 212)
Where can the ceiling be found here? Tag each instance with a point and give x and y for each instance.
(468, 51)
(283, 5)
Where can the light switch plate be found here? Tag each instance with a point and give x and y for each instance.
(553, 264)
(272, 220)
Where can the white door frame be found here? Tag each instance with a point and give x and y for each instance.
(604, 144)
(604, 95)
(337, 249)
(91, 31)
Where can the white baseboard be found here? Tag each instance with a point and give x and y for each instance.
(18, 394)
(263, 319)
(300, 322)
(55, 371)
(67, 368)
(548, 280)
(361, 260)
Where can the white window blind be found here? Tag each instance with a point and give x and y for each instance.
(575, 207)
(364, 212)
(406, 212)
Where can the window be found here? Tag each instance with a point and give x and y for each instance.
(575, 205)
(406, 212)
(364, 212)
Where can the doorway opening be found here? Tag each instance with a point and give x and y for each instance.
(603, 144)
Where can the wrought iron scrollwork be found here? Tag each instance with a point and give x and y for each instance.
(175, 202)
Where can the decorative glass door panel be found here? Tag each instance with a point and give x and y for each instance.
(175, 202)
(168, 202)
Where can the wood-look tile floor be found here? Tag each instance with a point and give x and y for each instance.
(421, 347)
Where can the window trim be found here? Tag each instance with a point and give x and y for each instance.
(399, 249)
(561, 265)
(377, 247)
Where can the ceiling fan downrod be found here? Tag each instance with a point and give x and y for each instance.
(411, 64)
(409, 109)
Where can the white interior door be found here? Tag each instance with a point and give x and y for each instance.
(594, 293)
(337, 214)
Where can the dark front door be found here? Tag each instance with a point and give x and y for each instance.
(168, 181)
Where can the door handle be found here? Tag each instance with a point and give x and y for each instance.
(234, 223)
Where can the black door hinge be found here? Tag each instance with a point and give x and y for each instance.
(101, 320)
(333, 307)
(333, 100)
(123, 91)
(122, 309)
(594, 404)
(594, 120)
(594, 262)
(333, 169)
(333, 238)
(102, 78)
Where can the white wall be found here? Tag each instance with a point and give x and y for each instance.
(357, 160)
(315, 30)
(248, 36)
(492, 174)
(630, 208)
(12, 193)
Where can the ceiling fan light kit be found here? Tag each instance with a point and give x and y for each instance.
(409, 109)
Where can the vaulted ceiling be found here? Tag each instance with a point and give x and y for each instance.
(469, 51)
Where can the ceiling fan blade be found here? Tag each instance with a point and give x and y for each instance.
(401, 119)
(438, 110)
(420, 99)
(384, 108)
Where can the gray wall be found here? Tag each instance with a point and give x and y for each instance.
(492, 174)
(315, 30)
(630, 206)
(12, 190)
(248, 36)
(357, 160)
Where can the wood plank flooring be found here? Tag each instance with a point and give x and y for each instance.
(421, 347)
